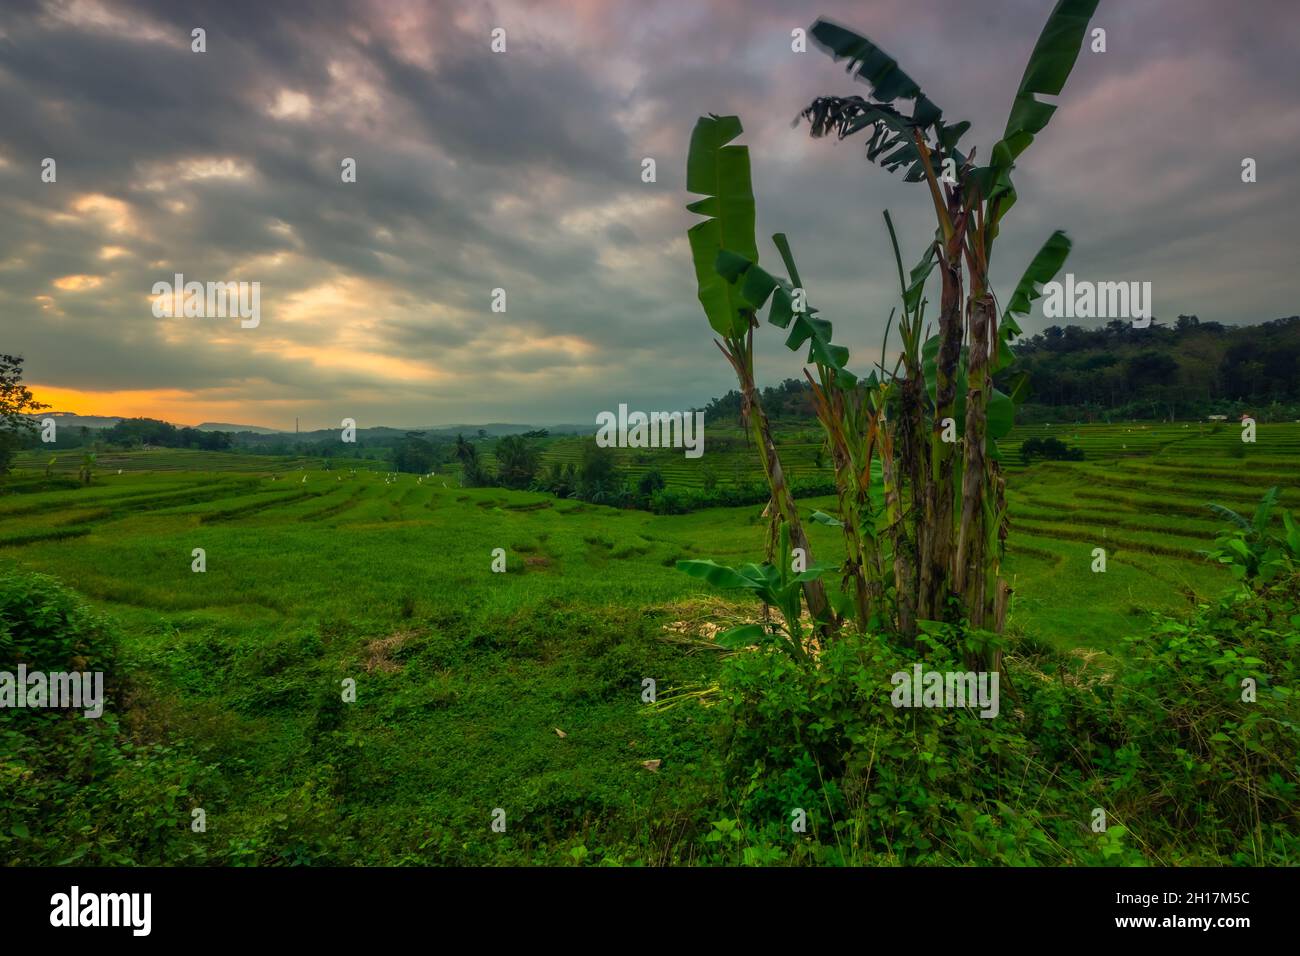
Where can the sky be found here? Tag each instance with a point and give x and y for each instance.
(522, 170)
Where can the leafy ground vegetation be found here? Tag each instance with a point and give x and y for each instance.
(224, 686)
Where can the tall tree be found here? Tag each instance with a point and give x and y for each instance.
(16, 406)
(517, 461)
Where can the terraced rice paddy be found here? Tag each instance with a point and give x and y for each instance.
(178, 459)
(1140, 495)
(312, 576)
(728, 457)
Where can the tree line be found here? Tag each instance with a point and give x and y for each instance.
(1189, 369)
(1186, 370)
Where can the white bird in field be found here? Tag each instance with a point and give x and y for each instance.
(304, 479)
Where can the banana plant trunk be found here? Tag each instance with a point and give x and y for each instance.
(940, 490)
(971, 567)
(851, 518)
(814, 592)
(913, 454)
(904, 557)
(833, 414)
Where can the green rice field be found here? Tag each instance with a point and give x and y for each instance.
(478, 689)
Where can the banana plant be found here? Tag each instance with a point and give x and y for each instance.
(906, 130)
(837, 398)
(1251, 548)
(718, 170)
(776, 585)
(1000, 411)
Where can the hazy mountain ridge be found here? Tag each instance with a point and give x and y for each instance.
(492, 429)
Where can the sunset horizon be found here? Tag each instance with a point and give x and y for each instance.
(347, 167)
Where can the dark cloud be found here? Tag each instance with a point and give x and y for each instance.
(523, 171)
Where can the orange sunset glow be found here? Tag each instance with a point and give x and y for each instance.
(173, 405)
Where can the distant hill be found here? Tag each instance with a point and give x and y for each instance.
(493, 429)
(497, 429)
(227, 427)
(73, 420)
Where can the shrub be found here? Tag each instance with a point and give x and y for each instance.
(1049, 449)
(1191, 754)
(1185, 770)
(664, 502)
(1255, 549)
(62, 774)
(650, 482)
(45, 627)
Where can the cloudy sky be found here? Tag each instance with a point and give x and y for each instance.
(522, 170)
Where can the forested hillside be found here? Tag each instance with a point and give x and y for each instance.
(1117, 372)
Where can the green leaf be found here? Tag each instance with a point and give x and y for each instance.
(1020, 388)
(1229, 515)
(721, 173)
(1045, 74)
(1292, 534)
(869, 63)
(813, 573)
(760, 575)
(916, 280)
(1265, 510)
(1050, 64)
(744, 636)
(822, 517)
(1001, 414)
(787, 256)
(720, 576)
(730, 265)
(757, 285)
(1041, 270)
(891, 142)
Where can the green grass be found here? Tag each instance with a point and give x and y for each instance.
(1140, 494)
(464, 675)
